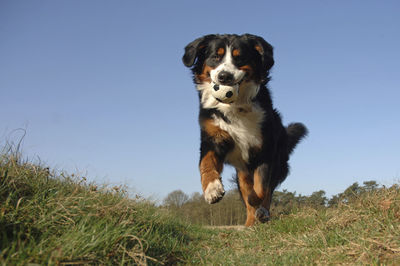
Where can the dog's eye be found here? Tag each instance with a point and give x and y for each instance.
(217, 57)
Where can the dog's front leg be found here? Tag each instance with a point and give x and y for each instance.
(215, 144)
(210, 171)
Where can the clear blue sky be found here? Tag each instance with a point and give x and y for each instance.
(101, 91)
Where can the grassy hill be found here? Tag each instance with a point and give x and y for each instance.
(48, 219)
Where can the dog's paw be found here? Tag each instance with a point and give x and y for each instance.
(214, 191)
(262, 214)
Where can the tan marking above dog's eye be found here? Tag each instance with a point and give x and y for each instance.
(259, 49)
(221, 51)
(236, 52)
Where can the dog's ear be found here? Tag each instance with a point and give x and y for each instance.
(193, 49)
(263, 48)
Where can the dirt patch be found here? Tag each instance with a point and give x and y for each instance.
(228, 227)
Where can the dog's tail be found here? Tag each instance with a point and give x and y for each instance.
(295, 132)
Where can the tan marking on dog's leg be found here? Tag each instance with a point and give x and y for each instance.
(210, 171)
(249, 196)
(258, 184)
(263, 191)
(251, 218)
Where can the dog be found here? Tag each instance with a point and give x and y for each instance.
(239, 125)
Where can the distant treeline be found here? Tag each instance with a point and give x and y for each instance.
(231, 210)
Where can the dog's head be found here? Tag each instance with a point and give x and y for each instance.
(230, 68)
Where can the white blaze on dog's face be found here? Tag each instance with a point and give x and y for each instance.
(226, 79)
(227, 73)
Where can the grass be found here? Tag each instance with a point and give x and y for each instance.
(49, 220)
(366, 231)
(63, 220)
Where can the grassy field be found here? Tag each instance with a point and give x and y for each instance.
(63, 220)
(367, 232)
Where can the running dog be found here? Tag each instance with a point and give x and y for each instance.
(239, 125)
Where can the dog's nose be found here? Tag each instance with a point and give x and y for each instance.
(225, 78)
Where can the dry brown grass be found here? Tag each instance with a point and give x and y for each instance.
(363, 231)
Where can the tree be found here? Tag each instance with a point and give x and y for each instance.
(196, 197)
(334, 200)
(317, 199)
(176, 199)
(351, 192)
(370, 186)
(283, 202)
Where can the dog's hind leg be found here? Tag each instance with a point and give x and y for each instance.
(263, 190)
(250, 197)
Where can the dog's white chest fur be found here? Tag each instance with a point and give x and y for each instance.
(245, 130)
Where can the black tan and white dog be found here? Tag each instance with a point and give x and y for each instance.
(239, 125)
